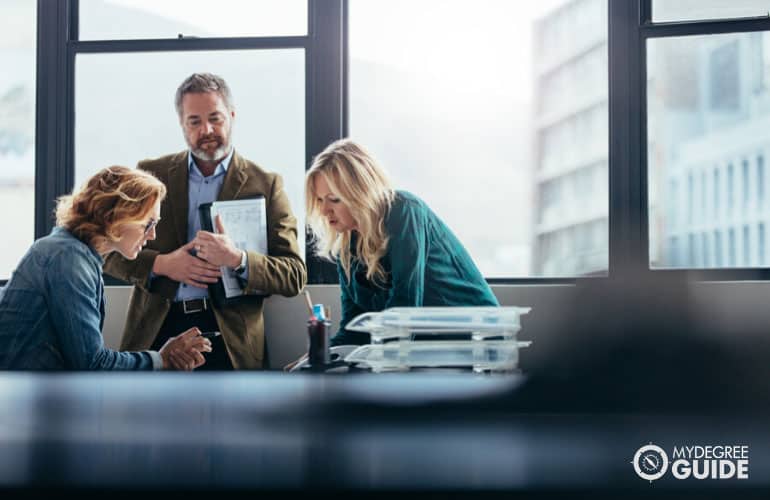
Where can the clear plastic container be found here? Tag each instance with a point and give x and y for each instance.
(403, 322)
(480, 356)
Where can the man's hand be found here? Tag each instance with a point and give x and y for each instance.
(217, 249)
(181, 266)
(183, 352)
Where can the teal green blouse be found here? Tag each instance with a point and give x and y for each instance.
(426, 266)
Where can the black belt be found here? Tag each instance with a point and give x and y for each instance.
(191, 306)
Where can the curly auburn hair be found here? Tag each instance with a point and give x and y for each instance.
(110, 198)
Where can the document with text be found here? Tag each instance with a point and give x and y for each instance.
(245, 222)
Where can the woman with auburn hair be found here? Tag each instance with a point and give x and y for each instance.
(52, 309)
(391, 249)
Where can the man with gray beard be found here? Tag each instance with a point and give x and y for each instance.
(171, 275)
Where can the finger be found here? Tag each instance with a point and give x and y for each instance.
(213, 267)
(190, 334)
(181, 355)
(204, 279)
(201, 265)
(205, 236)
(189, 360)
(188, 246)
(198, 260)
(219, 224)
(182, 364)
(199, 359)
(201, 349)
(176, 363)
(194, 283)
(200, 343)
(205, 272)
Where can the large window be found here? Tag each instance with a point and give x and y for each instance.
(268, 89)
(497, 113)
(134, 19)
(689, 10)
(494, 112)
(712, 138)
(18, 30)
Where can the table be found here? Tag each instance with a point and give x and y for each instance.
(240, 433)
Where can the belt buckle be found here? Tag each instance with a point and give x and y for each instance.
(191, 311)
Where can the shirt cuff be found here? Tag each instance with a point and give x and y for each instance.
(244, 273)
(157, 360)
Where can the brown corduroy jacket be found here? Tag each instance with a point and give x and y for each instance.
(282, 271)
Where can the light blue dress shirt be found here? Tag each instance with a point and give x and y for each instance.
(201, 190)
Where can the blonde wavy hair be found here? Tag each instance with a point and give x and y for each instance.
(112, 197)
(362, 185)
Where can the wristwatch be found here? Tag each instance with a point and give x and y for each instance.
(242, 266)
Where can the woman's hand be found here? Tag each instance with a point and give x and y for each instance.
(183, 352)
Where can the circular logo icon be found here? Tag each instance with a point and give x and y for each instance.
(650, 462)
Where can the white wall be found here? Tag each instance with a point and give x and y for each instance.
(286, 319)
(727, 304)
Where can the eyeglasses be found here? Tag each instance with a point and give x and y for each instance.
(151, 224)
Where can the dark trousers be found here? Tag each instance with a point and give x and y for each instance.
(178, 322)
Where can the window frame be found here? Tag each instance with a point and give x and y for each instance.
(326, 90)
(649, 30)
(59, 45)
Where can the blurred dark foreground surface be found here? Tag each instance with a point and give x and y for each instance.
(415, 432)
(631, 366)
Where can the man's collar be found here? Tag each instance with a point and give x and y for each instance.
(222, 166)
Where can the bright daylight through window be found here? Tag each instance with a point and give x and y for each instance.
(18, 29)
(708, 108)
(268, 88)
(497, 116)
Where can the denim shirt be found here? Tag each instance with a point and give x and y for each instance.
(52, 312)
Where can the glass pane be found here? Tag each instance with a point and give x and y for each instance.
(496, 115)
(695, 10)
(135, 94)
(131, 19)
(708, 108)
(18, 34)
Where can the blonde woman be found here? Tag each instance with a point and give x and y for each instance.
(391, 249)
(52, 309)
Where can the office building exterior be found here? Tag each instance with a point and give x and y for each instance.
(571, 147)
(712, 124)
